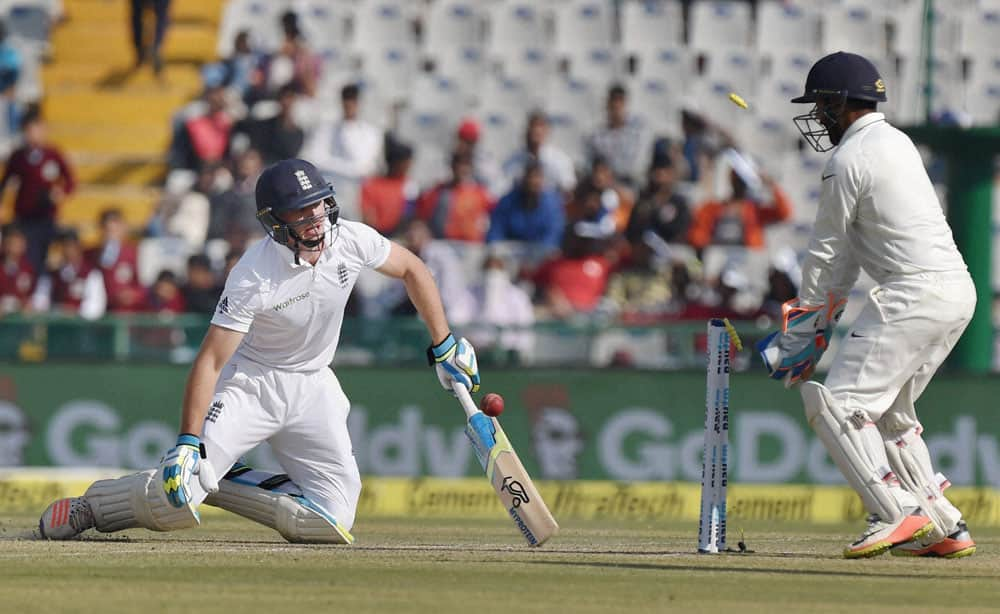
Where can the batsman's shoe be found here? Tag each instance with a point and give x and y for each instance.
(955, 546)
(66, 518)
(881, 536)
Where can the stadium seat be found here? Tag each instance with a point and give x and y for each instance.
(983, 95)
(463, 65)
(947, 89)
(589, 22)
(514, 25)
(426, 127)
(574, 97)
(908, 21)
(714, 25)
(503, 132)
(854, 27)
(567, 131)
(156, 254)
(657, 102)
(769, 137)
(783, 26)
(671, 64)
(431, 92)
(452, 23)
(259, 17)
(773, 98)
(430, 166)
(651, 24)
(325, 24)
(529, 64)
(392, 68)
(382, 23)
(789, 65)
(737, 66)
(509, 95)
(598, 66)
(712, 99)
(29, 22)
(801, 179)
(980, 31)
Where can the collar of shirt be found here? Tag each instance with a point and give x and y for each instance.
(862, 123)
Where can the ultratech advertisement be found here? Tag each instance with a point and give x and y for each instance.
(601, 425)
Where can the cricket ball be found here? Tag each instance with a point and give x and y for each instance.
(491, 404)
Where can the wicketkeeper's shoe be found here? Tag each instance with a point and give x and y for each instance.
(956, 545)
(66, 518)
(881, 535)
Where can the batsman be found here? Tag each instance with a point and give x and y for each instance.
(878, 212)
(262, 374)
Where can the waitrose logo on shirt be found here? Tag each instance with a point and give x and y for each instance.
(291, 301)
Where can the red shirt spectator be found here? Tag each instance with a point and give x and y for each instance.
(458, 209)
(165, 296)
(117, 259)
(75, 281)
(17, 276)
(385, 200)
(738, 220)
(575, 281)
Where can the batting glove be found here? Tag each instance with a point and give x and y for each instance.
(455, 361)
(185, 459)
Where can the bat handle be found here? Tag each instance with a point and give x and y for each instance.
(465, 399)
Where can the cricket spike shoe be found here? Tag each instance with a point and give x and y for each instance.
(958, 544)
(66, 518)
(881, 535)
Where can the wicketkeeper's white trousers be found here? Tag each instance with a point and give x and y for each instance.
(906, 329)
(303, 416)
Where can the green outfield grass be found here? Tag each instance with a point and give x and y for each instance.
(234, 566)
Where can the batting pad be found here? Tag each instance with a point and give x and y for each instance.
(276, 502)
(856, 446)
(136, 500)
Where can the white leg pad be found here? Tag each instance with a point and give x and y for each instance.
(136, 500)
(910, 459)
(855, 445)
(275, 501)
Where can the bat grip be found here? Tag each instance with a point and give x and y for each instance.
(465, 399)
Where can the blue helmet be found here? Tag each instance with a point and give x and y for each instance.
(290, 185)
(836, 78)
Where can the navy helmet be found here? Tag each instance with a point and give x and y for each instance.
(836, 78)
(287, 186)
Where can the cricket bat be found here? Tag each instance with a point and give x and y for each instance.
(505, 472)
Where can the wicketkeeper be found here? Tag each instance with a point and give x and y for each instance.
(262, 374)
(878, 212)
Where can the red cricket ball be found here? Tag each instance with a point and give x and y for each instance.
(491, 404)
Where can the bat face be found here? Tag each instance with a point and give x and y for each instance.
(510, 480)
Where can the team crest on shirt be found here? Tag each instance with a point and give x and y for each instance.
(342, 275)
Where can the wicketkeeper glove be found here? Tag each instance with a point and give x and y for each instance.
(185, 459)
(455, 361)
(791, 354)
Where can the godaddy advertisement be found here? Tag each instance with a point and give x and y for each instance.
(597, 425)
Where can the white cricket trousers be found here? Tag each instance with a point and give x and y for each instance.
(303, 416)
(906, 329)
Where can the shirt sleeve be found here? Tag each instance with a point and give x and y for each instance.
(373, 247)
(829, 267)
(240, 302)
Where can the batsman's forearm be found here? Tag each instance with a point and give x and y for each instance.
(424, 295)
(198, 396)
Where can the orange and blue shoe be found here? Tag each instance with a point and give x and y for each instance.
(881, 535)
(66, 518)
(958, 544)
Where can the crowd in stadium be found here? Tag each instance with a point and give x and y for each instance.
(640, 224)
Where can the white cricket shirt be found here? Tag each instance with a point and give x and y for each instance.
(292, 313)
(878, 211)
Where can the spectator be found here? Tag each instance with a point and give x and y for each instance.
(242, 72)
(660, 208)
(346, 151)
(502, 311)
(609, 207)
(75, 286)
(640, 292)
(234, 212)
(10, 63)
(574, 281)
(117, 259)
(387, 200)
(202, 291)
(276, 138)
(294, 63)
(149, 52)
(530, 212)
(621, 140)
(458, 209)
(702, 141)
(556, 164)
(739, 219)
(204, 138)
(10, 108)
(485, 168)
(186, 213)
(165, 295)
(17, 275)
(44, 179)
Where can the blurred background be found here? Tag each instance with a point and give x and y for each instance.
(571, 170)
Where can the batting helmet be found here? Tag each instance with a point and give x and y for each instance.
(844, 75)
(290, 185)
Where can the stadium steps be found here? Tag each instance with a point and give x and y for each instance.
(113, 121)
